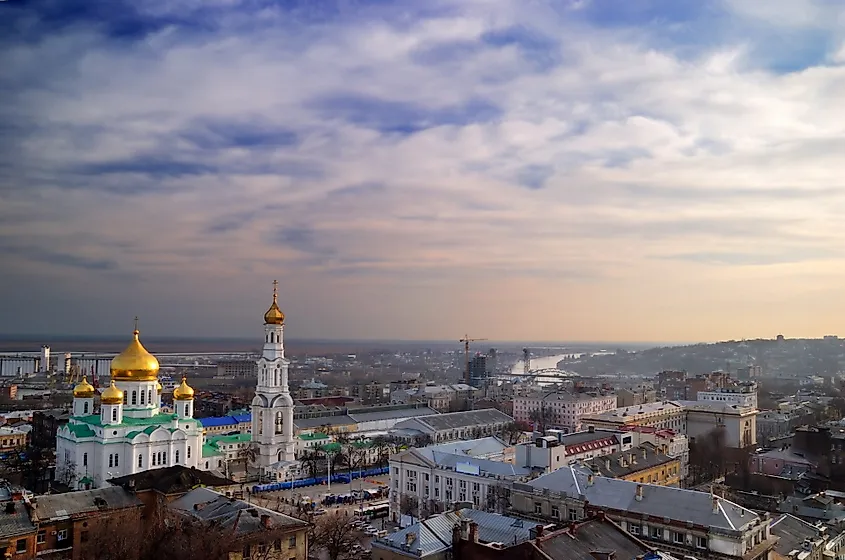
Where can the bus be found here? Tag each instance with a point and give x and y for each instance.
(374, 511)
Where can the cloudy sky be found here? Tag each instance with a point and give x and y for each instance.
(625, 170)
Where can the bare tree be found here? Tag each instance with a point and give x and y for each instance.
(66, 474)
(114, 536)
(409, 505)
(311, 460)
(335, 535)
(512, 431)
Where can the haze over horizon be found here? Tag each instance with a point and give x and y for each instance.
(516, 170)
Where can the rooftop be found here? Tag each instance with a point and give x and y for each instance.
(236, 515)
(389, 413)
(457, 420)
(792, 532)
(658, 501)
(64, 506)
(632, 412)
(581, 540)
(625, 463)
(170, 480)
(434, 535)
(472, 447)
(16, 522)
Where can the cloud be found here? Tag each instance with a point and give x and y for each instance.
(404, 168)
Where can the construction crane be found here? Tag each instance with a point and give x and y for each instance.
(466, 340)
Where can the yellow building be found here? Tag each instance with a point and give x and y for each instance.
(11, 438)
(645, 464)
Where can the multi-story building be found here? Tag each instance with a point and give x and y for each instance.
(740, 394)
(442, 398)
(670, 442)
(237, 369)
(739, 423)
(11, 438)
(555, 449)
(635, 396)
(560, 410)
(17, 531)
(645, 463)
(45, 426)
(441, 428)
(798, 540)
(684, 523)
(432, 479)
(664, 415)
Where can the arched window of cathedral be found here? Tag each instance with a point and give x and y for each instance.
(125, 397)
(189, 452)
(140, 461)
(111, 460)
(114, 415)
(116, 457)
(176, 457)
(85, 408)
(164, 457)
(84, 459)
(150, 396)
(271, 338)
(134, 397)
(142, 397)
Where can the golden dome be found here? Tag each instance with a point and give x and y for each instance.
(158, 387)
(183, 392)
(84, 390)
(112, 395)
(274, 315)
(134, 363)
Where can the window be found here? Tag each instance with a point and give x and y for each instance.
(134, 397)
(111, 460)
(83, 536)
(189, 452)
(61, 535)
(150, 396)
(555, 512)
(277, 544)
(84, 459)
(678, 537)
(176, 457)
(125, 397)
(701, 542)
(412, 487)
(634, 529)
(41, 538)
(573, 514)
(656, 533)
(538, 507)
(140, 461)
(20, 546)
(292, 541)
(142, 398)
(85, 407)
(164, 457)
(114, 415)
(116, 457)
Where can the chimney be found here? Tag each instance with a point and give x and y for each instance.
(715, 504)
(539, 530)
(633, 458)
(10, 507)
(591, 429)
(473, 532)
(266, 522)
(644, 454)
(590, 479)
(639, 494)
(607, 464)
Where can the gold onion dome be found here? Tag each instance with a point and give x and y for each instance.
(134, 363)
(84, 390)
(183, 392)
(274, 315)
(112, 395)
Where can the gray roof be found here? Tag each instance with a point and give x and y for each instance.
(577, 438)
(58, 506)
(17, 523)
(485, 466)
(244, 518)
(658, 501)
(371, 415)
(472, 447)
(434, 534)
(590, 536)
(309, 423)
(646, 456)
(457, 420)
(792, 532)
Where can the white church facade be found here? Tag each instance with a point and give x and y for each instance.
(272, 407)
(129, 433)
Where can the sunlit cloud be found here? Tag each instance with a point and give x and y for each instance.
(523, 170)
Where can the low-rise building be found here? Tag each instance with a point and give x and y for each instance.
(661, 415)
(45, 425)
(552, 451)
(739, 423)
(680, 522)
(441, 428)
(670, 442)
(17, 531)
(797, 539)
(741, 394)
(644, 463)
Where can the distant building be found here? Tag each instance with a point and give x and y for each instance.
(560, 410)
(661, 415)
(11, 438)
(45, 425)
(635, 396)
(645, 464)
(741, 394)
(441, 428)
(238, 369)
(554, 450)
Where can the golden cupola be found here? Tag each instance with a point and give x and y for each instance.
(112, 395)
(84, 390)
(183, 392)
(134, 363)
(274, 315)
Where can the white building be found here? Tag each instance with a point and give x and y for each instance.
(129, 432)
(744, 395)
(661, 415)
(560, 410)
(432, 479)
(272, 407)
(555, 450)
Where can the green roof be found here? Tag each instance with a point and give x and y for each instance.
(210, 451)
(311, 437)
(233, 438)
(148, 430)
(158, 420)
(81, 430)
(330, 447)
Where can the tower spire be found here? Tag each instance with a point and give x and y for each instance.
(275, 291)
(136, 324)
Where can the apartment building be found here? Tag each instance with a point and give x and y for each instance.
(684, 523)
(645, 463)
(554, 450)
(429, 480)
(670, 442)
(664, 415)
(740, 394)
(560, 410)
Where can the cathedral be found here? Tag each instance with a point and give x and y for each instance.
(129, 433)
(272, 407)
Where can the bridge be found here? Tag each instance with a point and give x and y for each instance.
(543, 372)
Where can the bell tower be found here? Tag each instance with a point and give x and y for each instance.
(272, 407)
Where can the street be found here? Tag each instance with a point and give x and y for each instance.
(283, 499)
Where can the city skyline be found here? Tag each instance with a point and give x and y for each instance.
(574, 170)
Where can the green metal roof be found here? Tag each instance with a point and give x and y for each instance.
(210, 451)
(312, 437)
(233, 438)
(158, 419)
(81, 430)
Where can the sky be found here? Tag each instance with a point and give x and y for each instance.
(603, 170)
